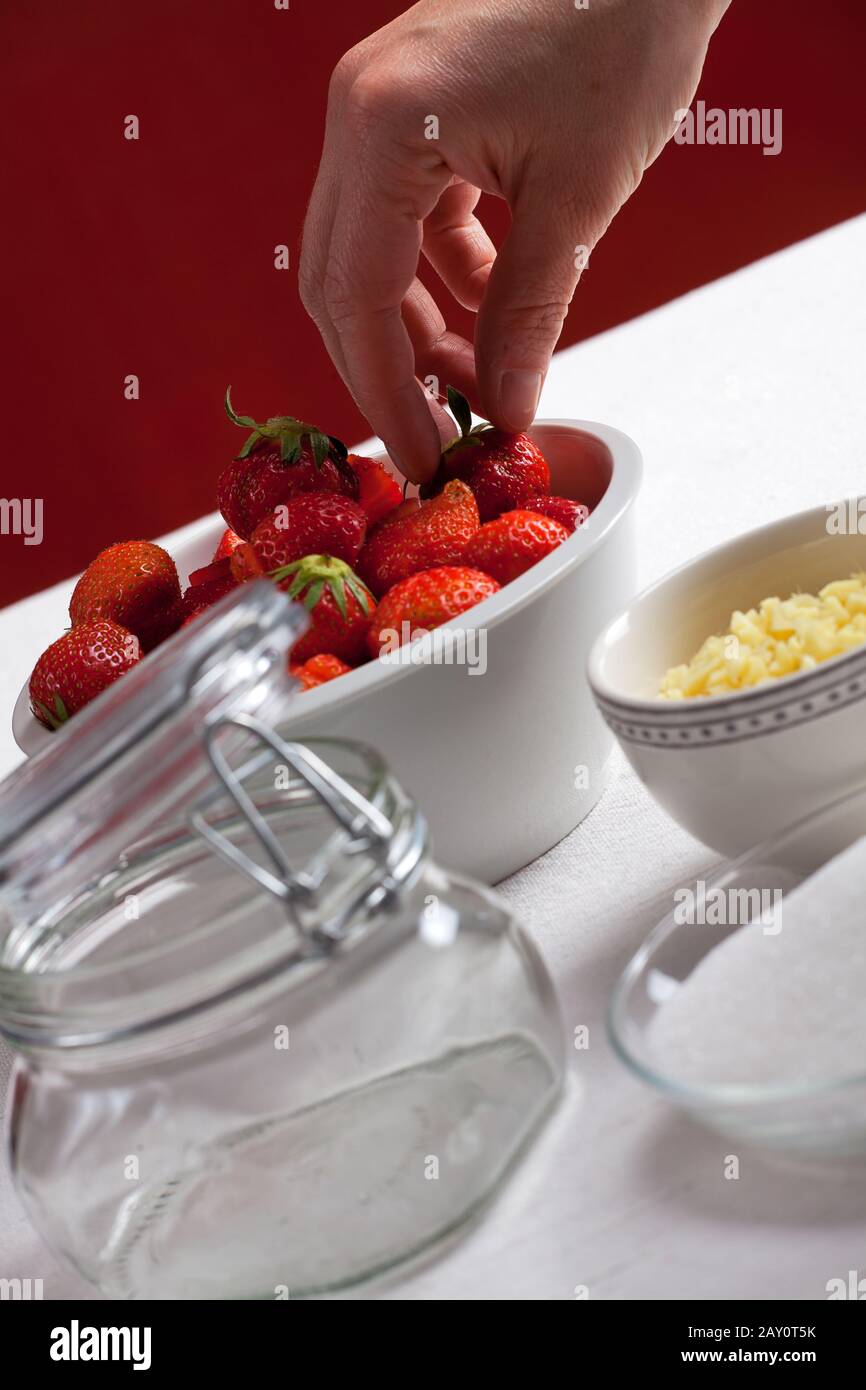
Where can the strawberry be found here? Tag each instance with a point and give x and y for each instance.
(379, 493)
(568, 513)
(418, 537)
(313, 523)
(217, 569)
(78, 667)
(280, 458)
(203, 593)
(424, 601)
(501, 468)
(318, 670)
(513, 543)
(134, 584)
(408, 507)
(245, 563)
(338, 603)
(229, 542)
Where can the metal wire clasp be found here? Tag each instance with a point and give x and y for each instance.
(370, 831)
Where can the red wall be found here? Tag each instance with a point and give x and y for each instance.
(156, 257)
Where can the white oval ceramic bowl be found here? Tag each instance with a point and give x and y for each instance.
(505, 762)
(736, 769)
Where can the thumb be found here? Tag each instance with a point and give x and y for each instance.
(525, 303)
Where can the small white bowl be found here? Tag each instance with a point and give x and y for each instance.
(504, 763)
(735, 769)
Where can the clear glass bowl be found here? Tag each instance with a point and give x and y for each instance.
(826, 1116)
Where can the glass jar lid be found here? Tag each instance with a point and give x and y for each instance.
(227, 659)
(180, 769)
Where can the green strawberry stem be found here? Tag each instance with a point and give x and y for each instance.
(460, 409)
(58, 717)
(289, 433)
(315, 573)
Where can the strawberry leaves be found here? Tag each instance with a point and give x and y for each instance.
(292, 436)
(244, 420)
(459, 407)
(321, 447)
(54, 719)
(313, 574)
(469, 434)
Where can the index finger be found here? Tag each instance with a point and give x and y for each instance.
(386, 190)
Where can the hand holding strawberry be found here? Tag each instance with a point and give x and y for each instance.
(501, 469)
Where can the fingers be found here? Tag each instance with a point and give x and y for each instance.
(457, 246)
(357, 273)
(322, 208)
(528, 293)
(318, 226)
(371, 264)
(441, 358)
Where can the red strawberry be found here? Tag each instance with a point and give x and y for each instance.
(568, 513)
(280, 458)
(419, 537)
(513, 543)
(407, 508)
(229, 542)
(217, 569)
(424, 601)
(245, 564)
(78, 667)
(134, 584)
(318, 670)
(339, 606)
(314, 523)
(379, 492)
(205, 593)
(501, 468)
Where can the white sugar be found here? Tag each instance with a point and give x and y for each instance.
(784, 1008)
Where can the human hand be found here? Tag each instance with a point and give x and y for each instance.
(556, 109)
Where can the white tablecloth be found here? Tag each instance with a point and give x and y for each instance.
(748, 402)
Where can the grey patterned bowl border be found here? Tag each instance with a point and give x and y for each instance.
(754, 713)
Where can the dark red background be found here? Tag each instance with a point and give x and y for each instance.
(156, 257)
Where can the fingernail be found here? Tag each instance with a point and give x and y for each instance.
(518, 398)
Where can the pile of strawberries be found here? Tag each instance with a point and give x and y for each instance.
(334, 531)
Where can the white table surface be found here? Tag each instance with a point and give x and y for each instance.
(748, 402)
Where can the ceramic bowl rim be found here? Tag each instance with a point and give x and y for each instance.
(626, 471)
(615, 701)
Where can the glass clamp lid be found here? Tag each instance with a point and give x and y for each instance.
(231, 658)
(370, 832)
(181, 759)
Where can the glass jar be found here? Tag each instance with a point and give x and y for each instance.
(265, 1047)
